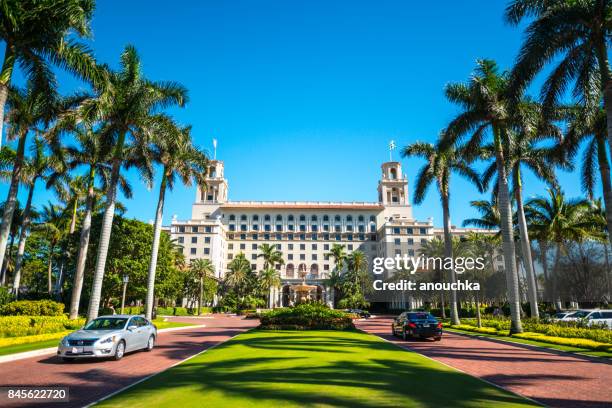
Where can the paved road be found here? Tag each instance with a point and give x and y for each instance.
(90, 380)
(553, 379)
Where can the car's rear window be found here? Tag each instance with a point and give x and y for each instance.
(420, 316)
(106, 323)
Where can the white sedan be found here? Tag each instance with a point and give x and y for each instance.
(110, 337)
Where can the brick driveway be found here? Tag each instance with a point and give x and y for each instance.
(553, 379)
(90, 380)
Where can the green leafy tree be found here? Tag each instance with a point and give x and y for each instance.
(268, 279)
(270, 255)
(202, 269)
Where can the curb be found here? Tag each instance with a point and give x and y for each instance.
(53, 350)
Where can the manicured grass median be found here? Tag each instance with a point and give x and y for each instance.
(312, 368)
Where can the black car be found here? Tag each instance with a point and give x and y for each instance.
(361, 313)
(417, 324)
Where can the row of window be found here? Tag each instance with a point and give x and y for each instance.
(302, 257)
(410, 241)
(194, 251)
(303, 237)
(290, 217)
(291, 247)
(302, 228)
(409, 231)
(194, 228)
(194, 240)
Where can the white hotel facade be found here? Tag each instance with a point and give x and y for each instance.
(304, 232)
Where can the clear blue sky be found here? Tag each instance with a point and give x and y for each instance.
(304, 96)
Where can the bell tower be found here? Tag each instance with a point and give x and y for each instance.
(393, 186)
(215, 185)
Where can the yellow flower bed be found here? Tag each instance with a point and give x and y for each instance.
(467, 327)
(564, 341)
(14, 341)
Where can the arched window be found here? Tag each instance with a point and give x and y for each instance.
(337, 218)
(313, 217)
(349, 218)
(326, 218)
(372, 218)
(255, 217)
(393, 174)
(279, 217)
(302, 217)
(290, 217)
(267, 217)
(360, 218)
(302, 268)
(232, 217)
(289, 270)
(314, 269)
(243, 217)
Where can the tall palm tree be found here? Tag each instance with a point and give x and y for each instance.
(339, 256)
(93, 153)
(269, 278)
(37, 167)
(524, 151)
(240, 275)
(575, 36)
(441, 162)
(127, 106)
(560, 220)
(435, 248)
(588, 126)
(37, 33)
(487, 107)
(202, 269)
(489, 214)
(29, 109)
(174, 150)
(270, 255)
(53, 224)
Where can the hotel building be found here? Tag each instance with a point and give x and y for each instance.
(219, 229)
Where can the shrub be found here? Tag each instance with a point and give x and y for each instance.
(15, 326)
(306, 317)
(564, 341)
(32, 308)
(484, 330)
(5, 296)
(14, 341)
(181, 311)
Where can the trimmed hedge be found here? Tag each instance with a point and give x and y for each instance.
(14, 341)
(181, 311)
(16, 326)
(32, 308)
(564, 341)
(484, 330)
(311, 316)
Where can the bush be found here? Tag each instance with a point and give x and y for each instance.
(15, 326)
(181, 311)
(564, 341)
(484, 330)
(462, 312)
(14, 341)
(5, 296)
(32, 308)
(309, 316)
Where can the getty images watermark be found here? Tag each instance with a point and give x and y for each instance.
(411, 264)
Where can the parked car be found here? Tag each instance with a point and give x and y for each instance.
(417, 324)
(593, 316)
(359, 312)
(562, 314)
(109, 337)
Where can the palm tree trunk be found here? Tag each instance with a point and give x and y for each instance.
(79, 274)
(200, 295)
(11, 200)
(505, 211)
(155, 248)
(606, 85)
(448, 253)
(478, 317)
(526, 246)
(5, 80)
(105, 233)
(23, 235)
(604, 172)
(74, 215)
(555, 277)
(50, 270)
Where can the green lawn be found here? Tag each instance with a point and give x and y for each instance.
(312, 368)
(569, 349)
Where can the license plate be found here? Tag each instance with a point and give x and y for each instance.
(426, 325)
(77, 350)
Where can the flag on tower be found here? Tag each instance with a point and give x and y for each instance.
(215, 148)
(391, 149)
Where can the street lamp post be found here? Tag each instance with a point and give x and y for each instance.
(126, 279)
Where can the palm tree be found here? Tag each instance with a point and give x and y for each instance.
(435, 248)
(54, 225)
(489, 215)
(339, 256)
(240, 275)
(127, 106)
(37, 166)
(92, 152)
(575, 36)
(269, 278)
(203, 269)
(36, 33)
(270, 255)
(482, 246)
(523, 150)
(8, 265)
(560, 220)
(28, 109)
(486, 106)
(588, 125)
(441, 161)
(174, 151)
